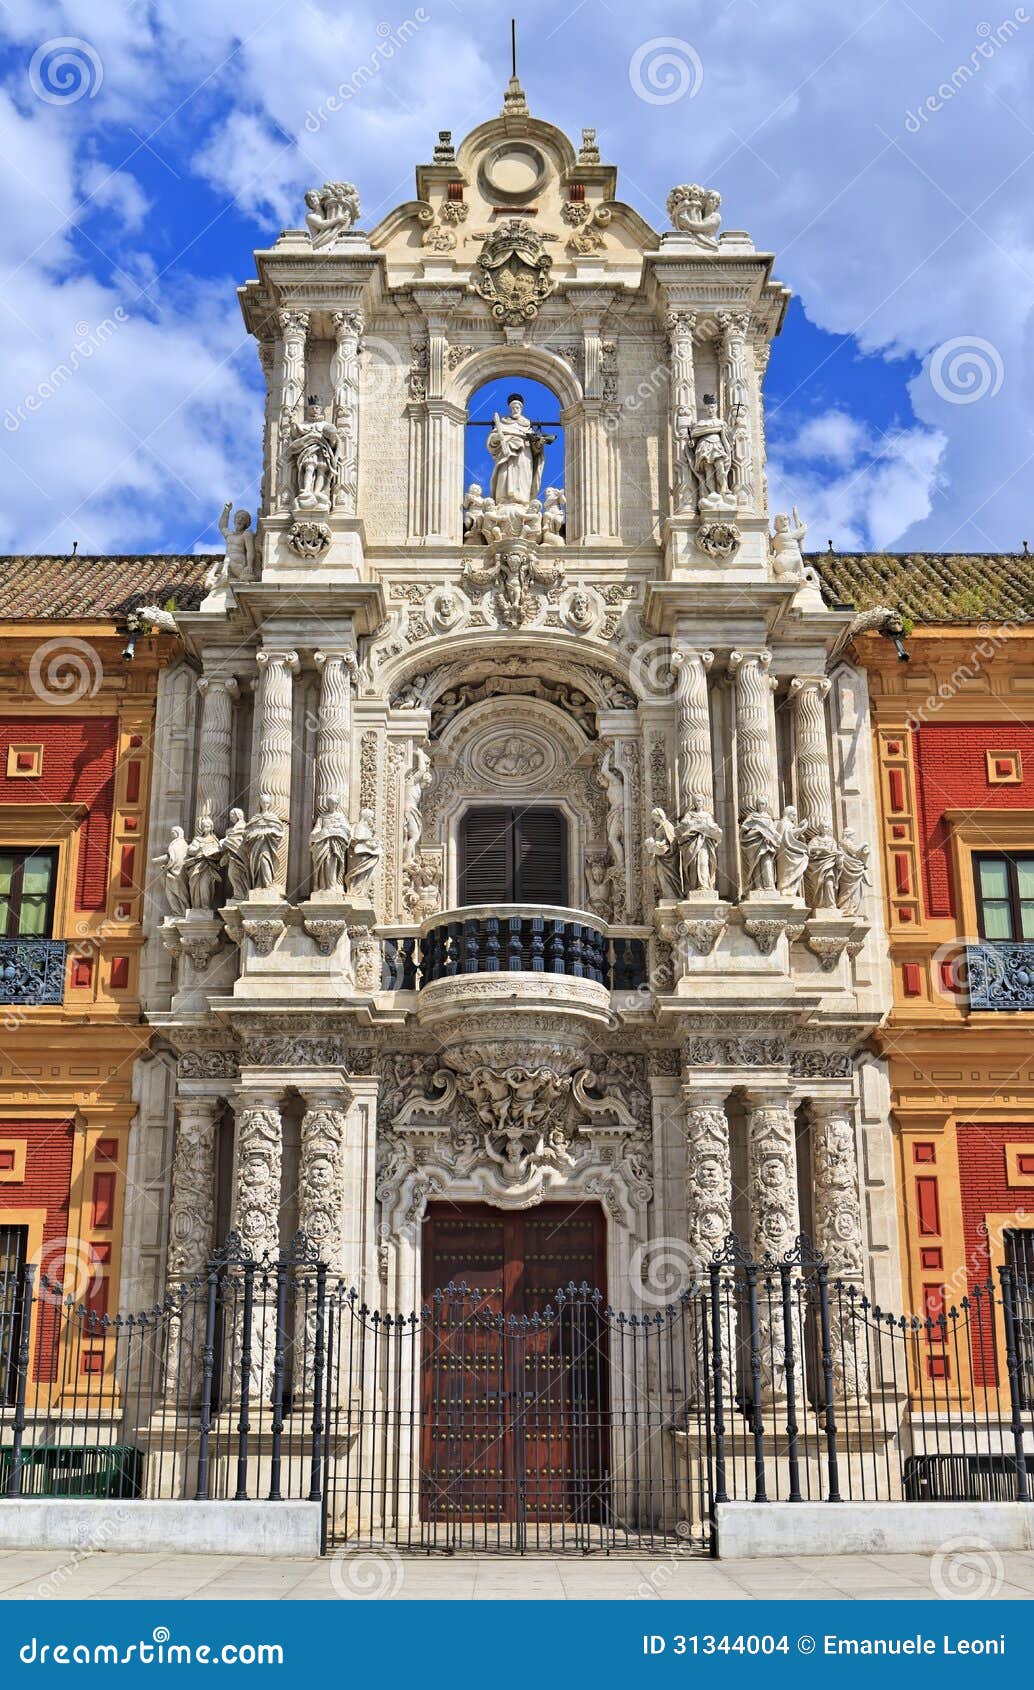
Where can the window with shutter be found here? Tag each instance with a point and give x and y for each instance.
(513, 856)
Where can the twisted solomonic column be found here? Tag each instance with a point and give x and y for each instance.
(215, 749)
(755, 729)
(693, 727)
(276, 744)
(839, 1238)
(814, 782)
(334, 745)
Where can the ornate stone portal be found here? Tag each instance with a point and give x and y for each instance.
(671, 987)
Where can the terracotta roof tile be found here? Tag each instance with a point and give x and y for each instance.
(87, 588)
(932, 586)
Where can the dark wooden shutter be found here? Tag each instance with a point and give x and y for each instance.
(540, 857)
(486, 855)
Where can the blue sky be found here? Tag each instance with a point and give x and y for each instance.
(884, 151)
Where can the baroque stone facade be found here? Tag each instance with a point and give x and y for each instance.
(391, 653)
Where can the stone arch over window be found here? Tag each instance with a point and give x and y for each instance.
(520, 369)
(514, 462)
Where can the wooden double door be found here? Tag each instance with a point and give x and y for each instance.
(514, 1368)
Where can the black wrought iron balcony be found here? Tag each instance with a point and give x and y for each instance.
(1000, 975)
(516, 939)
(32, 971)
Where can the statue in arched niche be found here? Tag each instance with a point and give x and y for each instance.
(512, 507)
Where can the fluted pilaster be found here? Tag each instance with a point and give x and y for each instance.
(755, 730)
(334, 745)
(215, 749)
(693, 726)
(277, 669)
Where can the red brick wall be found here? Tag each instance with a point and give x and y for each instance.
(951, 774)
(48, 1172)
(986, 1191)
(78, 768)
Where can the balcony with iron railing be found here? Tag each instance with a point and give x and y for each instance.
(533, 941)
(32, 971)
(1000, 974)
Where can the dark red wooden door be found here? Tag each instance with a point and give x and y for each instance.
(514, 1379)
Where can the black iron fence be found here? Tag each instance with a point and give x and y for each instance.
(580, 1428)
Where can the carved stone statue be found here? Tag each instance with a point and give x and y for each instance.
(203, 864)
(315, 456)
(698, 836)
(612, 782)
(171, 865)
(759, 837)
(518, 449)
(785, 547)
(712, 453)
(418, 780)
(662, 850)
(696, 212)
(328, 847)
(792, 857)
(234, 855)
(824, 860)
(263, 835)
(597, 887)
(854, 872)
(554, 518)
(332, 211)
(238, 563)
(364, 853)
(473, 508)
